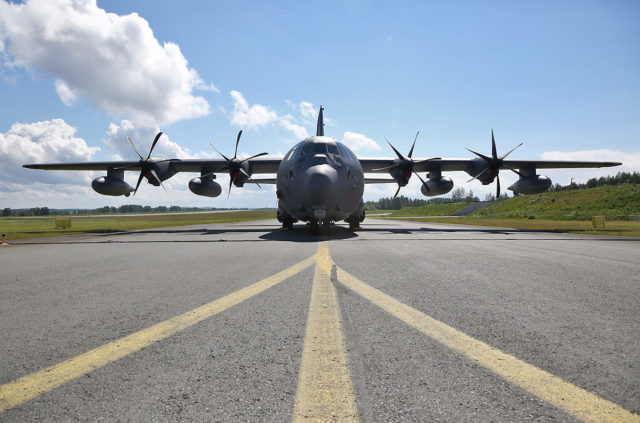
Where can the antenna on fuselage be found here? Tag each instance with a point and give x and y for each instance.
(320, 129)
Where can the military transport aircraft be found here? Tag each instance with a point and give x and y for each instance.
(320, 180)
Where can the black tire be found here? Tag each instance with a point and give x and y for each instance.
(315, 227)
(287, 222)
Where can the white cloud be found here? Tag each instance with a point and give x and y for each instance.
(115, 61)
(65, 93)
(287, 123)
(48, 141)
(250, 117)
(258, 115)
(307, 110)
(142, 138)
(358, 142)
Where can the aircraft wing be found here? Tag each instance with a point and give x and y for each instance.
(555, 164)
(378, 165)
(258, 165)
(129, 165)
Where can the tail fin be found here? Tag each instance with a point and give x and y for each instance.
(320, 129)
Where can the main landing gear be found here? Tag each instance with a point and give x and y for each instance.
(287, 221)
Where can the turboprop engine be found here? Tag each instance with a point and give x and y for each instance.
(205, 186)
(534, 184)
(109, 185)
(436, 186)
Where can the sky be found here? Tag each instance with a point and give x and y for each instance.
(79, 76)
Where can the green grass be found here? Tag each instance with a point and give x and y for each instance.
(563, 211)
(617, 202)
(444, 209)
(34, 227)
(616, 227)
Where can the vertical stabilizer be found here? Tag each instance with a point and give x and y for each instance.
(320, 129)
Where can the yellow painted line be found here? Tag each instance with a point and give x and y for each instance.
(30, 386)
(576, 401)
(325, 391)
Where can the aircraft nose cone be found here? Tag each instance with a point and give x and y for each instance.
(322, 180)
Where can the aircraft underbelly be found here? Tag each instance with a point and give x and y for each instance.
(320, 192)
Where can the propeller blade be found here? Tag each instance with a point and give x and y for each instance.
(520, 174)
(153, 145)
(478, 175)
(223, 156)
(423, 182)
(254, 156)
(244, 173)
(426, 160)
(498, 188)
(254, 182)
(494, 151)
(385, 168)
(414, 144)
(139, 180)
(230, 183)
(155, 175)
(396, 194)
(134, 147)
(237, 142)
(482, 156)
(400, 156)
(511, 151)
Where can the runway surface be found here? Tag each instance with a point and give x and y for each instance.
(413, 321)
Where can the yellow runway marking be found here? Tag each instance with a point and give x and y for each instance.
(325, 391)
(572, 399)
(30, 386)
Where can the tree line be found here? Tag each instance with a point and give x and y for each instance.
(619, 179)
(457, 195)
(126, 208)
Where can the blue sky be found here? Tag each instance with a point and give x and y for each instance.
(78, 77)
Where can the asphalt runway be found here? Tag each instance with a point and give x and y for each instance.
(412, 321)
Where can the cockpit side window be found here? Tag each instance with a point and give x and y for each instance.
(332, 149)
(291, 154)
(346, 152)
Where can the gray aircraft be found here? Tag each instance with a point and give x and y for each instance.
(320, 180)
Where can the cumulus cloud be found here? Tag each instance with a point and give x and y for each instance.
(114, 61)
(250, 117)
(258, 115)
(307, 110)
(358, 142)
(142, 138)
(287, 122)
(48, 141)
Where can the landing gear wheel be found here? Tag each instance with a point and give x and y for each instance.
(354, 223)
(326, 226)
(287, 223)
(315, 227)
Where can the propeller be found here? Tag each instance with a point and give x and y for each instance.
(148, 167)
(494, 163)
(406, 166)
(234, 165)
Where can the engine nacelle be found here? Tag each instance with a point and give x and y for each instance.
(437, 186)
(108, 185)
(205, 187)
(534, 184)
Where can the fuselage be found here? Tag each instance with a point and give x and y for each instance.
(320, 179)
